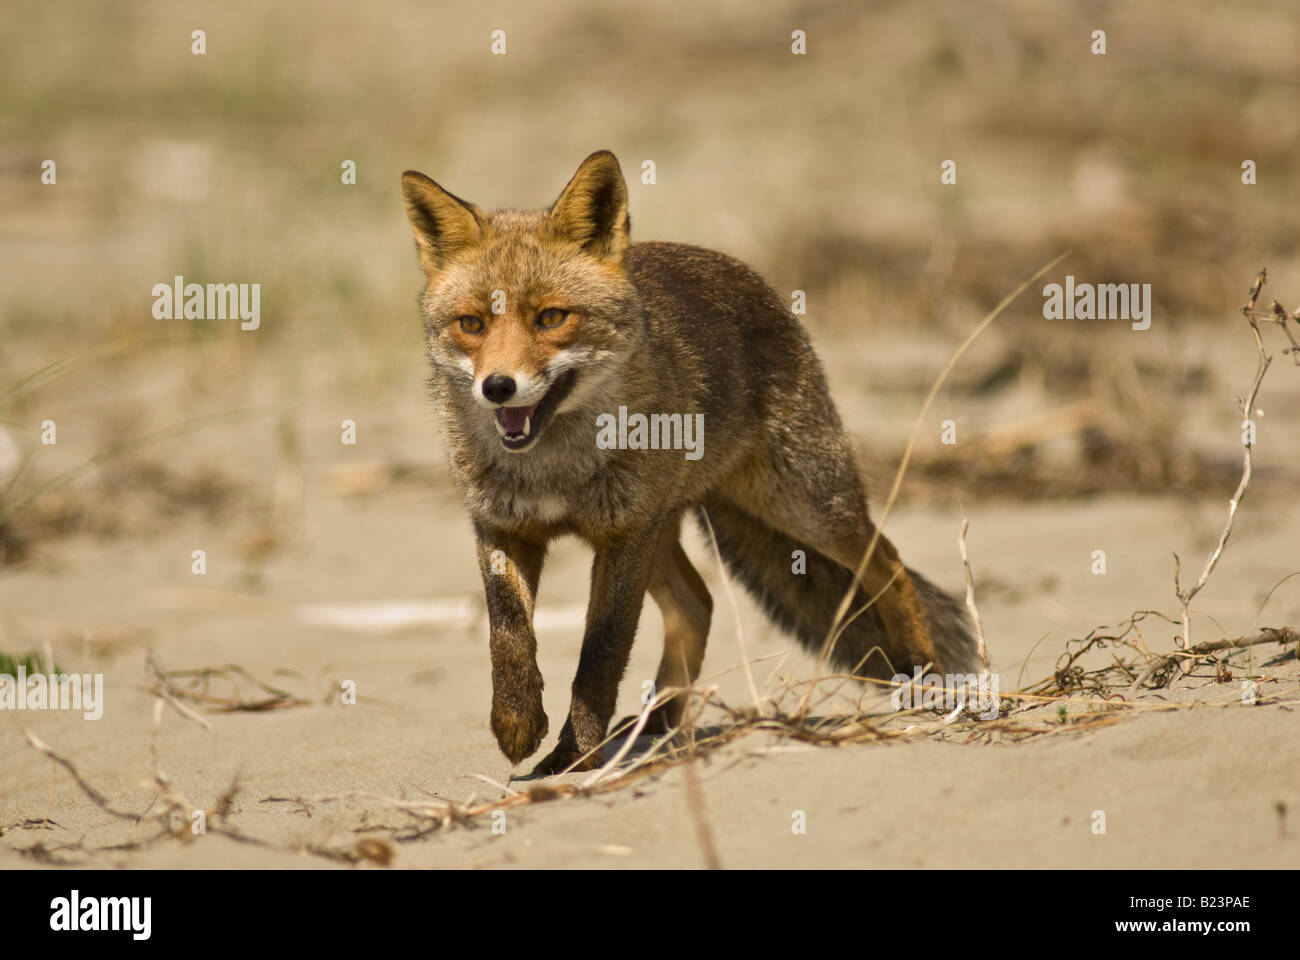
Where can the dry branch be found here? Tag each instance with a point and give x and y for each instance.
(970, 596)
(1247, 467)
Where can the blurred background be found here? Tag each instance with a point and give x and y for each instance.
(821, 170)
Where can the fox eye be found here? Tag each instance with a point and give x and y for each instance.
(471, 324)
(552, 317)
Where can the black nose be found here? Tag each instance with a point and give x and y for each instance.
(498, 388)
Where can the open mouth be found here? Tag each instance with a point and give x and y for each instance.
(519, 426)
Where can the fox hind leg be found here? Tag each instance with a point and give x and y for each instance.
(687, 609)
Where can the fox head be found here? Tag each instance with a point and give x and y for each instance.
(526, 312)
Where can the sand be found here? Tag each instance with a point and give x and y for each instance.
(419, 727)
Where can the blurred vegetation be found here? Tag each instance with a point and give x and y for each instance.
(32, 663)
(820, 170)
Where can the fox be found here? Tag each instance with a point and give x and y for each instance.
(541, 326)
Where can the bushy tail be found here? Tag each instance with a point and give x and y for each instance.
(760, 557)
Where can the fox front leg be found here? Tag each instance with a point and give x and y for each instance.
(619, 577)
(511, 569)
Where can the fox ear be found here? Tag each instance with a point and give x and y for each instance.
(442, 223)
(592, 209)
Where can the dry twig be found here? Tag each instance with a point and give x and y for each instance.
(1247, 468)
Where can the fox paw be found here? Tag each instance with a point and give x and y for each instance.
(562, 758)
(519, 725)
(656, 725)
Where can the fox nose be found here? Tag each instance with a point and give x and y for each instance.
(498, 388)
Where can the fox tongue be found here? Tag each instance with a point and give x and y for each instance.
(515, 418)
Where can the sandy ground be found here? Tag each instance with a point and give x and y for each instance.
(419, 729)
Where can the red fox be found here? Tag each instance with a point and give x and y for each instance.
(545, 330)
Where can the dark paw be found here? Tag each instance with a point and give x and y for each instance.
(519, 725)
(656, 725)
(562, 758)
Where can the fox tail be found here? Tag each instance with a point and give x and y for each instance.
(759, 556)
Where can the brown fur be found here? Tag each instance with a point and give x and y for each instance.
(657, 328)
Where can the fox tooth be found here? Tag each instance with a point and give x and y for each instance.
(500, 426)
(528, 425)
